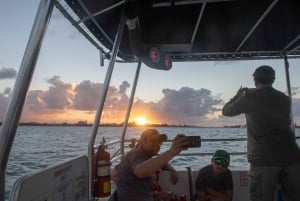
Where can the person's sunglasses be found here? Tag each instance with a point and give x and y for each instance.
(221, 162)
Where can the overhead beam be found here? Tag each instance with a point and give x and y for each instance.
(101, 11)
(197, 23)
(256, 24)
(183, 3)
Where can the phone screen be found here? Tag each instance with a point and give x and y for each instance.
(195, 141)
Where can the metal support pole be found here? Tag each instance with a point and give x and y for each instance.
(287, 75)
(22, 84)
(97, 119)
(191, 184)
(137, 73)
(288, 84)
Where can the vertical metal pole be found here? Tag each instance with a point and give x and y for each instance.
(287, 75)
(191, 184)
(22, 84)
(288, 84)
(97, 119)
(137, 73)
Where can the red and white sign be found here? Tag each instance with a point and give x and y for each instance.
(244, 179)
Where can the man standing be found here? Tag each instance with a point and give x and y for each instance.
(136, 169)
(214, 182)
(273, 153)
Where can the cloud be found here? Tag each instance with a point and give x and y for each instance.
(34, 102)
(122, 96)
(188, 102)
(123, 87)
(62, 97)
(86, 94)
(8, 73)
(187, 105)
(184, 106)
(59, 95)
(177, 106)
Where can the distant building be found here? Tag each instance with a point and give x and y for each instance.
(82, 122)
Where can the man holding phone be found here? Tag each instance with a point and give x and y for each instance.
(272, 150)
(214, 182)
(138, 166)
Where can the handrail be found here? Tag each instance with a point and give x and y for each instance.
(117, 155)
(208, 154)
(97, 119)
(135, 81)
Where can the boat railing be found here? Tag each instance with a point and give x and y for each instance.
(116, 152)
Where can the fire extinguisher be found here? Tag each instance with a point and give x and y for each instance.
(102, 180)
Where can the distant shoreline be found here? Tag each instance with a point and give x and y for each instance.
(121, 125)
(129, 125)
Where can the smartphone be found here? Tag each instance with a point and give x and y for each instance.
(195, 141)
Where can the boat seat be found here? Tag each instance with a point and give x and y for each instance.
(240, 180)
(182, 187)
(65, 181)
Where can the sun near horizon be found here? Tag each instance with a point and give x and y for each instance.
(141, 121)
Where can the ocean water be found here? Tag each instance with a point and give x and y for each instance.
(38, 147)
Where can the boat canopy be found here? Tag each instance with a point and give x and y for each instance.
(193, 30)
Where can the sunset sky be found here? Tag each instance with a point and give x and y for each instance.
(68, 79)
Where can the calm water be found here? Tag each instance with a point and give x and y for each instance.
(37, 147)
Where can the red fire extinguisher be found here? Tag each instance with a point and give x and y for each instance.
(102, 180)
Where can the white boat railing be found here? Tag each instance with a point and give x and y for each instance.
(130, 143)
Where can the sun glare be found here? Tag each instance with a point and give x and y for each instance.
(141, 121)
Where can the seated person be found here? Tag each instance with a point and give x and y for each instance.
(137, 167)
(214, 182)
(161, 195)
(158, 193)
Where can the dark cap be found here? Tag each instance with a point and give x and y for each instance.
(264, 74)
(221, 154)
(153, 135)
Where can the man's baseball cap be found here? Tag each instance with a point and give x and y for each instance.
(221, 154)
(153, 135)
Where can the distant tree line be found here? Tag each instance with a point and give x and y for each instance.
(130, 124)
